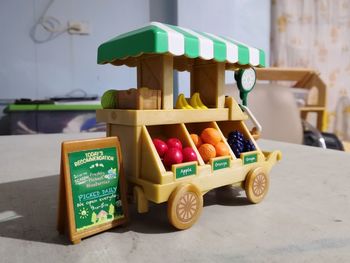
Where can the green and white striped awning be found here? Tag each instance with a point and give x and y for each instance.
(162, 38)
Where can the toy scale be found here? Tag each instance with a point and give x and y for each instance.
(140, 117)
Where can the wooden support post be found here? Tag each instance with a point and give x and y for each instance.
(156, 72)
(209, 80)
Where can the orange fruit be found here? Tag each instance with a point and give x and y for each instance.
(196, 139)
(207, 151)
(221, 149)
(210, 135)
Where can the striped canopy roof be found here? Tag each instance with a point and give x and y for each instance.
(162, 38)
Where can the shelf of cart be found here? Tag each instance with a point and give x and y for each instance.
(184, 170)
(158, 117)
(205, 181)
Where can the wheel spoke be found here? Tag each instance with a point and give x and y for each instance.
(192, 198)
(182, 212)
(194, 205)
(259, 184)
(187, 206)
(186, 215)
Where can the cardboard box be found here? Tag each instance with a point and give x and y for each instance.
(139, 99)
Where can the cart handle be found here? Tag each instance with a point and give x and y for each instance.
(256, 131)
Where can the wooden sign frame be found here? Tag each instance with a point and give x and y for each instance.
(66, 216)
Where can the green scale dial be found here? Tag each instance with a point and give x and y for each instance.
(245, 79)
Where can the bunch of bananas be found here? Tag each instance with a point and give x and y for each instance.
(195, 102)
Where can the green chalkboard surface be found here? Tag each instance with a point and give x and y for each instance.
(95, 187)
(92, 187)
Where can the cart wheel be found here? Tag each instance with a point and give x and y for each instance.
(257, 185)
(185, 206)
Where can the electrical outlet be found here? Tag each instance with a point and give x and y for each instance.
(78, 27)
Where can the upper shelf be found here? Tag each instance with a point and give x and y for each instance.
(158, 117)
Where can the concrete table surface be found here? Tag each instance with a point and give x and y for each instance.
(304, 218)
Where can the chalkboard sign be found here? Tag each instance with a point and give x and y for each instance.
(94, 187)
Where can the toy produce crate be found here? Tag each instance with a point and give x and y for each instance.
(139, 99)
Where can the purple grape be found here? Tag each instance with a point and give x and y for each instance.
(240, 145)
(248, 146)
(236, 152)
(237, 147)
(236, 135)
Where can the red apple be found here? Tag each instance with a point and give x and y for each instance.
(161, 146)
(172, 156)
(189, 154)
(174, 143)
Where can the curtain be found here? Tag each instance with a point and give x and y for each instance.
(316, 34)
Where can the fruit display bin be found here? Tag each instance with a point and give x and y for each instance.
(157, 50)
(227, 126)
(145, 170)
(197, 127)
(150, 159)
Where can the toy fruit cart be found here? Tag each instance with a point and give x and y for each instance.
(139, 115)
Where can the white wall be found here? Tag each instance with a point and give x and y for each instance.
(247, 21)
(69, 61)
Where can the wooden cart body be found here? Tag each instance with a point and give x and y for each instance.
(136, 128)
(143, 166)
